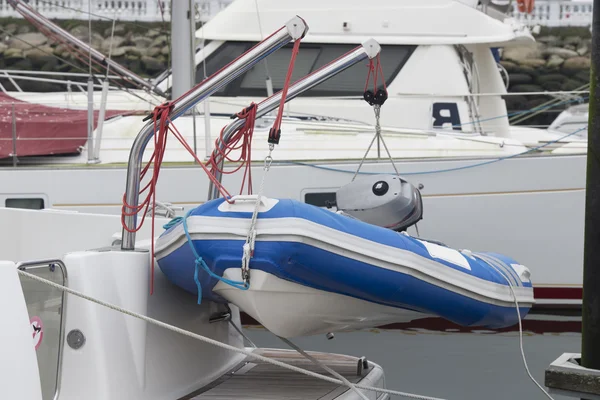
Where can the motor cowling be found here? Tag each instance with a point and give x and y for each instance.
(383, 200)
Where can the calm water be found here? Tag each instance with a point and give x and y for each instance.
(468, 366)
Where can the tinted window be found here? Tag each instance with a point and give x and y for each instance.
(32, 204)
(220, 58)
(351, 82)
(311, 57)
(324, 199)
(278, 64)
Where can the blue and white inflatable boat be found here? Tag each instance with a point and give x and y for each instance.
(317, 271)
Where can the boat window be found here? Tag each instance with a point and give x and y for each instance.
(28, 203)
(352, 81)
(224, 55)
(278, 64)
(320, 199)
(312, 56)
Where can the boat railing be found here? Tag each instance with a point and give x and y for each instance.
(68, 79)
(123, 10)
(80, 81)
(557, 103)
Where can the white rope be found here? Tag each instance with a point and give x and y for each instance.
(217, 343)
(377, 109)
(379, 137)
(248, 248)
(520, 329)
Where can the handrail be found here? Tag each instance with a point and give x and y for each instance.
(73, 74)
(294, 29)
(12, 78)
(368, 49)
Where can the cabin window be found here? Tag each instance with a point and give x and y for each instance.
(323, 199)
(278, 63)
(27, 203)
(220, 58)
(312, 56)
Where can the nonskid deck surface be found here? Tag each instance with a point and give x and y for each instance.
(253, 379)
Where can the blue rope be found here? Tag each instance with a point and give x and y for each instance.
(172, 223)
(199, 262)
(438, 170)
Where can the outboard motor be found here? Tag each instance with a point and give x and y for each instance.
(383, 200)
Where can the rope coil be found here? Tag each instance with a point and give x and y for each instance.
(240, 140)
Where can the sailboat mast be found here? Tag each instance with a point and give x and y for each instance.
(181, 44)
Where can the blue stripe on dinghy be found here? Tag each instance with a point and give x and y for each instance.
(287, 208)
(322, 270)
(502, 266)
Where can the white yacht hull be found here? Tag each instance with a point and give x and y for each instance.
(531, 208)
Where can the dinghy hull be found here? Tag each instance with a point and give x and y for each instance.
(331, 272)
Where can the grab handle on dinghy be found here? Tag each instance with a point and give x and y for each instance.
(249, 197)
(369, 49)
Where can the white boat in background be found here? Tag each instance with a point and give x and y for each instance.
(485, 184)
(440, 75)
(572, 119)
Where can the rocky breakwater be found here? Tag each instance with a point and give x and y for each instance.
(552, 64)
(142, 48)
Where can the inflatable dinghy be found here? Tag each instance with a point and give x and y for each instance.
(316, 271)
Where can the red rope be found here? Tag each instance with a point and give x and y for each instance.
(241, 140)
(381, 72)
(377, 96)
(377, 71)
(371, 67)
(275, 131)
